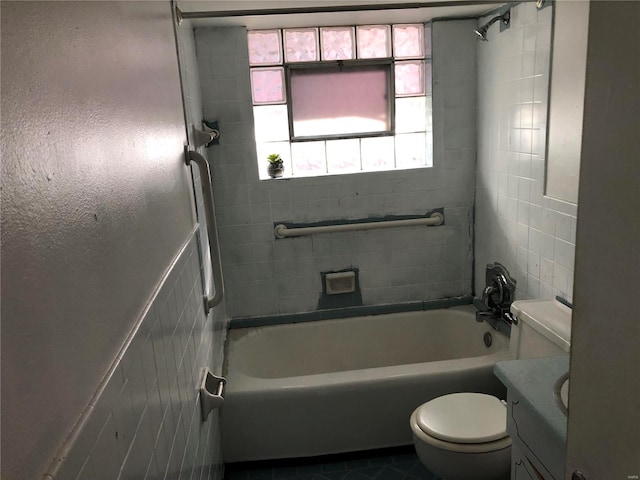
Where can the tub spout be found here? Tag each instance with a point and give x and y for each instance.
(482, 316)
(500, 321)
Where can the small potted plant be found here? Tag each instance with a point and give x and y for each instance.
(276, 165)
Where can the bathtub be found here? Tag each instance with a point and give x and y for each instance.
(350, 384)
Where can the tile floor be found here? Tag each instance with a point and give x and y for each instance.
(399, 463)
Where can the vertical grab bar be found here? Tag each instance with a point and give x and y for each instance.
(212, 230)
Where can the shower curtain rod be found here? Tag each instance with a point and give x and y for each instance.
(331, 9)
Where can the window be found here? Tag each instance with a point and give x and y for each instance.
(335, 100)
(340, 101)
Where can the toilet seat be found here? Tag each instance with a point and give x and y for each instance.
(464, 418)
(442, 416)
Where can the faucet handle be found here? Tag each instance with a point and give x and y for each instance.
(488, 290)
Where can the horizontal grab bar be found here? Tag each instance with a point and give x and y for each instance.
(212, 231)
(282, 231)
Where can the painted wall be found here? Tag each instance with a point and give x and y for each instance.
(264, 276)
(516, 225)
(103, 331)
(604, 397)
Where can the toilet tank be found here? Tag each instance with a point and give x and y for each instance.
(543, 329)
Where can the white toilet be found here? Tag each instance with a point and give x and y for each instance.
(463, 436)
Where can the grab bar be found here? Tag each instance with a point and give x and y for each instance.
(282, 231)
(212, 230)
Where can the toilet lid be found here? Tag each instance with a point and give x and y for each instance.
(464, 418)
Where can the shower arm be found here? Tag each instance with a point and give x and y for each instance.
(212, 230)
(482, 31)
(486, 26)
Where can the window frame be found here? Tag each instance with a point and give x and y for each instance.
(391, 98)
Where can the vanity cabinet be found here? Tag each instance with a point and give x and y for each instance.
(527, 464)
(535, 422)
(519, 469)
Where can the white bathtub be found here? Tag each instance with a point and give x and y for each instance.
(349, 384)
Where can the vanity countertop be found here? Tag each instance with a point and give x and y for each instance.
(533, 381)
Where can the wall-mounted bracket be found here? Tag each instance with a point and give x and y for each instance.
(214, 129)
(205, 138)
(211, 392)
(540, 4)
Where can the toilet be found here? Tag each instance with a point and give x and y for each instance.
(463, 436)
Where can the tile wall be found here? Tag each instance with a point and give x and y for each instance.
(192, 100)
(146, 423)
(264, 276)
(532, 235)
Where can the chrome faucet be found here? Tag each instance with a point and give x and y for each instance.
(488, 290)
(497, 297)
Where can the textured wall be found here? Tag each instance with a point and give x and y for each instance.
(265, 276)
(96, 203)
(532, 235)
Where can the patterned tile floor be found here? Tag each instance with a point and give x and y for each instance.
(388, 464)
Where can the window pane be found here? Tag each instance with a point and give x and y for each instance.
(343, 156)
(264, 47)
(429, 110)
(337, 43)
(429, 150)
(374, 41)
(333, 101)
(377, 153)
(271, 123)
(308, 159)
(427, 77)
(408, 41)
(410, 115)
(267, 85)
(266, 149)
(410, 150)
(409, 78)
(301, 45)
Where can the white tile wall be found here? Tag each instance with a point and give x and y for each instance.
(532, 235)
(193, 114)
(146, 422)
(266, 276)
